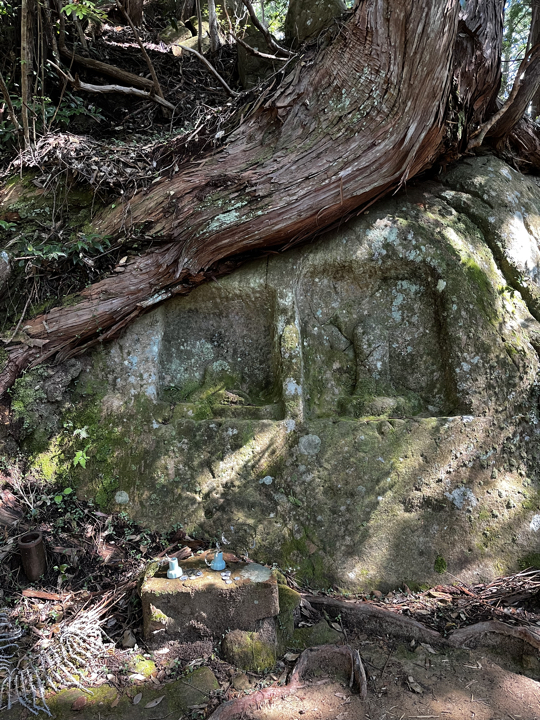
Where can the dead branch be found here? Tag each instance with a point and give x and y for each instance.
(211, 68)
(149, 63)
(100, 67)
(257, 53)
(267, 35)
(108, 89)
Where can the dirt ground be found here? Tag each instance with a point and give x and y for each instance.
(402, 684)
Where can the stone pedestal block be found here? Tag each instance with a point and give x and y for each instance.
(206, 605)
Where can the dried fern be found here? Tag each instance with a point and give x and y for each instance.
(51, 665)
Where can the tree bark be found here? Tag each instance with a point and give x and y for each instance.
(351, 122)
(215, 36)
(26, 65)
(534, 39)
(134, 9)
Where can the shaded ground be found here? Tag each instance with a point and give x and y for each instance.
(456, 685)
(459, 685)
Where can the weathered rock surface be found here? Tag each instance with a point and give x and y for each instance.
(306, 18)
(363, 410)
(174, 37)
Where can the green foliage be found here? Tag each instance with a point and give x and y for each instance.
(25, 392)
(81, 457)
(532, 560)
(274, 13)
(76, 251)
(6, 9)
(440, 564)
(84, 10)
(45, 111)
(517, 23)
(58, 499)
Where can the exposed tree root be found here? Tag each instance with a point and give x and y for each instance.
(311, 660)
(352, 121)
(473, 635)
(378, 620)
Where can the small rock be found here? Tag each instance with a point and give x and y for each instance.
(241, 682)
(413, 685)
(79, 703)
(128, 639)
(249, 650)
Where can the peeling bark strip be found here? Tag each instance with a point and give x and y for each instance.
(350, 123)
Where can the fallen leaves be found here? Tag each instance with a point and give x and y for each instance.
(155, 702)
(414, 686)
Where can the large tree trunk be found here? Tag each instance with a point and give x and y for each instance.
(350, 123)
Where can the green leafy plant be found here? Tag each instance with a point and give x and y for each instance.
(62, 570)
(58, 499)
(440, 564)
(81, 457)
(84, 10)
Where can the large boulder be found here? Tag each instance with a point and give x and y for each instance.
(362, 410)
(253, 69)
(306, 18)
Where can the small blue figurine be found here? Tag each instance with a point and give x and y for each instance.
(218, 563)
(174, 571)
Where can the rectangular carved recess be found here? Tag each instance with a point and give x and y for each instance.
(218, 357)
(374, 344)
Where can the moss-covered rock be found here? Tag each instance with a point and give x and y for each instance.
(319, 634)
(142, 666)
(249, 651)
(289, 600)
(106, 702)
(306, 18)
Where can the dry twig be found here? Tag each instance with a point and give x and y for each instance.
(267, 36)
